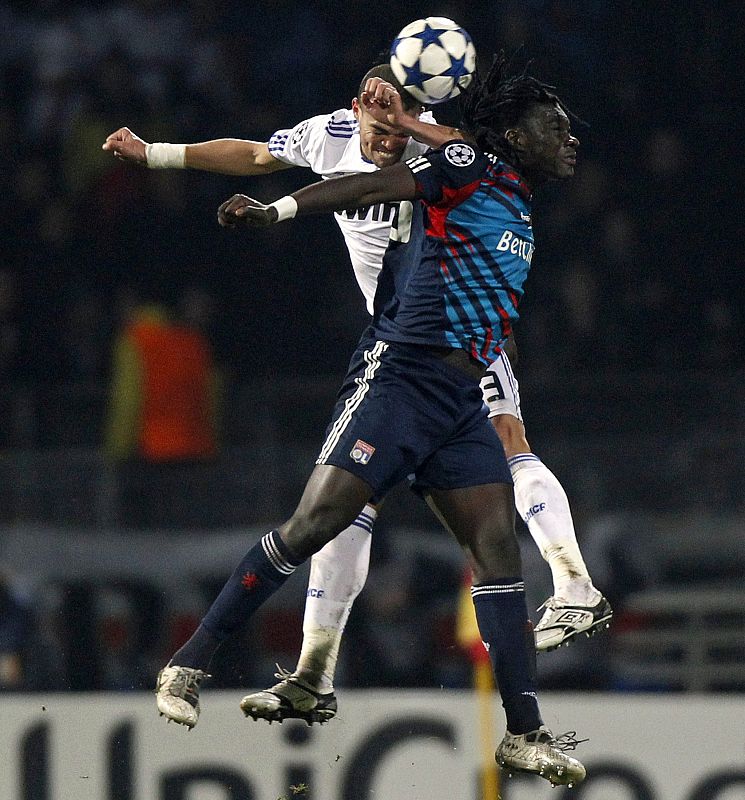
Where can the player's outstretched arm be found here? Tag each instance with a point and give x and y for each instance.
(383, 101)
(225, 156)
(353, 191)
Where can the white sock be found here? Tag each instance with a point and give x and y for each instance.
(337, 574)
(543, 505)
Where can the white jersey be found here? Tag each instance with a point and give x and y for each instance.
(329, 144)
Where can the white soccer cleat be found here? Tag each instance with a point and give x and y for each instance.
(539, 753)
(177, 694)
(562, 621)
(291, 698)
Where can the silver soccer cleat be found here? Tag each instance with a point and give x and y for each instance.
(562, 622)
(177, 694)
(291, 698)
(540, 753)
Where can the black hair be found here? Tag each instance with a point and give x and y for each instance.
(497, 102)
(385, 72)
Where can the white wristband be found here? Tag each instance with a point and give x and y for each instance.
(286, 207)
(161, 155)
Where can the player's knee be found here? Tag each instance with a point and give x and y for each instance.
(311, 527)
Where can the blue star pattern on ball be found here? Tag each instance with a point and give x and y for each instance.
(415, 77)
(433, 59)
(429, 35)
(457, 67)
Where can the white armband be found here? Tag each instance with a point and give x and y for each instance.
(161, 155)
(286, 207)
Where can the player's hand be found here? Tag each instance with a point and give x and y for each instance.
(244, 210)
(383, 101)
(126, 145)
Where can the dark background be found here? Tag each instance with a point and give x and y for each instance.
(637, 267)
(632, 338)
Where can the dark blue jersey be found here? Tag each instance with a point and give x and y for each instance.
(454, 273)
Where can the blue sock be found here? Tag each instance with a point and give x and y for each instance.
(264, 568)
(507, 632)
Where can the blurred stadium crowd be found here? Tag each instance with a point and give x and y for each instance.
(633, 326)
(629, 259)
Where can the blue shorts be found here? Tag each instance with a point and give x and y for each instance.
(403, 412)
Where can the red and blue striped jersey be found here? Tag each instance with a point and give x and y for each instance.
(454, 273)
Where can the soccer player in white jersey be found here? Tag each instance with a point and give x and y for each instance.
(351, 141)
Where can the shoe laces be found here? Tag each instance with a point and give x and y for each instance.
(285, 676)
(551, 604)
(186, 682)
(567, 741)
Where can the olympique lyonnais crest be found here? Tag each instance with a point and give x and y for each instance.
(361, 452)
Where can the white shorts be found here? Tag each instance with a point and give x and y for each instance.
(500, 389)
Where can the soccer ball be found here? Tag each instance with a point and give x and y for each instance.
(433, 59)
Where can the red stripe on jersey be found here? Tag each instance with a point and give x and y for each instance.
(519, 186)
(506, 322)
(504, 314)
(519, 180)
(506, 332)
(488, 339)
(437, 214)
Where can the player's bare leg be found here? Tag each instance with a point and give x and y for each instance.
(482, 520)
(337, 574)
(332, 499)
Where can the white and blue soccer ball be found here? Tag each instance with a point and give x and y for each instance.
(433, 59)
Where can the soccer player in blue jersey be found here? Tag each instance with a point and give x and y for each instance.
(411, 403)
(346, 141)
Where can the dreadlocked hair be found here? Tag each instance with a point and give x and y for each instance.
(497, 102)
